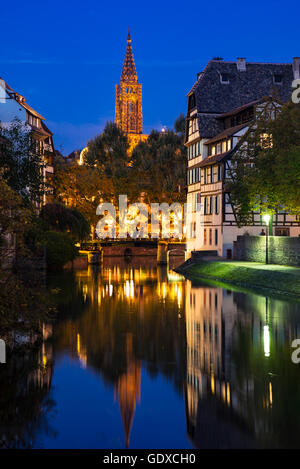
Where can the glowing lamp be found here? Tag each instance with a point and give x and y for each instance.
(266, 218)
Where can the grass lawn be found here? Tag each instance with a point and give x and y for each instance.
(278, 278)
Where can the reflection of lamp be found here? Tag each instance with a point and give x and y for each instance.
(267, 331)
(266, 340)
(266, 219)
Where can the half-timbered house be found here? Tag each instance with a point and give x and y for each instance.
(222, 106)
(14, 105)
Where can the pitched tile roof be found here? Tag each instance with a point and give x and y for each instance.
(213, 159)
(257, 81)
(21, 100)
(227, 133)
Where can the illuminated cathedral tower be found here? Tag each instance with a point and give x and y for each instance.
(129, 114)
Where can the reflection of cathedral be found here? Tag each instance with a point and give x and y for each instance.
(129, 114)
(128, 389)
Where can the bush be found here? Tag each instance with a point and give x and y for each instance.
(64, 219)
(59, 248)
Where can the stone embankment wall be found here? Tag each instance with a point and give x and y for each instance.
(282, 250)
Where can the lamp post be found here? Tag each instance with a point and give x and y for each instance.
(266, 219)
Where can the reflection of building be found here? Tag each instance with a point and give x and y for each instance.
(236, 345)
(129, 114)
(205, 348)
(128, 389)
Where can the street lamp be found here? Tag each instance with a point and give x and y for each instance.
(266, 219)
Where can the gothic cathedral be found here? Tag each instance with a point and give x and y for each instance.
(129, 114)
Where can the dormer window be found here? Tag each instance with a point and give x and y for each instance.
(277, 79)
(33, 121)
(224, 78)
(191, 102)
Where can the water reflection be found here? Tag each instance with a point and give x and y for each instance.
(132, 318)
(242, 389)
(25, 382)
(139, 357)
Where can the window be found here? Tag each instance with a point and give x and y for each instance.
(224, 78)
(216, 205)
(191, 102)
(216, 237)
(211, 174)
(211, 205)
(204, 240)
(198, 201)
(277, 79)
(213, 150)
(228, 144)
(266, 140)
(205, 205)
(219, 148)
(219, 172)
(282, 232)
(210, 236)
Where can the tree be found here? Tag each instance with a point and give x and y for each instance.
(266, 166)
(64, 219)
(160, 167)
(108, 152)
(60, 249)
(21, 295)
(81, 187)
(21, 162)
(179, 125)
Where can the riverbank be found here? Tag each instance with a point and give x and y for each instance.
(282, 280)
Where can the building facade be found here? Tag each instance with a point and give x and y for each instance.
(14, 105)
(129, 112)
(222, 106)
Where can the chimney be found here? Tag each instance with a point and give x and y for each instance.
(241, 64)
(296, 67)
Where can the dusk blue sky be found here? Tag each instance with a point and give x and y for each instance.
(66, 56)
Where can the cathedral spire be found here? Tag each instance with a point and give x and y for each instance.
(129, 114)
(129, 70)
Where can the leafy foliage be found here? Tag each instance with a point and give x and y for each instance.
(21, 162)
(160, 167)
(60, 248)
(60, 218)
(22, 299)
(81, 187)
(266, 166)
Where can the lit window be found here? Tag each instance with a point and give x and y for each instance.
(266, 140)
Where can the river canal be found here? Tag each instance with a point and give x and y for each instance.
(139, 357)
